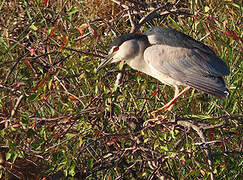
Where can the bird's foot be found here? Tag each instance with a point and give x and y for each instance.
(155, 121)
(156, 118)
(165, 108)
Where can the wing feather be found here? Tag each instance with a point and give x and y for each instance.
(192, 67)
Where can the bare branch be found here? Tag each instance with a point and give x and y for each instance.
(203, 137)
(16, 106)
(120, 4)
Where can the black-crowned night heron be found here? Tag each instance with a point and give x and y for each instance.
(174, 59)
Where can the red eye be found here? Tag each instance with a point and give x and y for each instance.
(116, 49)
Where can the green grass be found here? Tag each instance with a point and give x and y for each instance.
(59, 116)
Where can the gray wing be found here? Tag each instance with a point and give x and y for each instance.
(192, 67)
(172, 37)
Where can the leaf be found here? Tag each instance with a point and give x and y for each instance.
(73, 11)
(56, 135)
(68, 119)
(171, 155)
(64, 42)
(73, 98)
(91, 163)
(156, 144)
(154, 93)
(8, 155)
(206, 9)
(33, 97)
(27, 62)
(81, 28)
(42, 82)
(46, 3)
(50, 83)
(52, 32)
(32, 26)
(165, 148)
(80, 141)
(3, 42)
(32, 51)
(85, 26)
(14, 157)
(172, 133)
(121, 64)
(72, 170)
(114, 88)
(232, 34)
(70, 135)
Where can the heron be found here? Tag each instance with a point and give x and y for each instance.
(173, 58)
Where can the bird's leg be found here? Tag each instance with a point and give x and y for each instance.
(167, 107)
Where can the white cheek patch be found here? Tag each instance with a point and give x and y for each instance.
(116, 58)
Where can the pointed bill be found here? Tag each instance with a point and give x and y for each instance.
(105, 61)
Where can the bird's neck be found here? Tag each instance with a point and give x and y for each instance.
(140, 65)
(138, 62)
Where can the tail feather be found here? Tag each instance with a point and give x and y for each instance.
(208, 84)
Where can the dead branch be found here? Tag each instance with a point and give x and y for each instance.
(204, 141)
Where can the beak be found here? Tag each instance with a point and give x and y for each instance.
(105, 61)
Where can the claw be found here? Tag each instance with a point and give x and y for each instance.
(157, 120)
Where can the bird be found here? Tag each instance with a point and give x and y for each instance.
(173, 58)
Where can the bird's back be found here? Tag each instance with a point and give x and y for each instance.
(184, 59)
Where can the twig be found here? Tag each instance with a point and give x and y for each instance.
(10, 89)
(152, 14)
(120, 4)
(108, 24)
(178, 143)
(154, 173)
(58, 144)
(16, 106)
(66, 91)
(12, 69)
(84, 52)
(206, 146)
(226, 153)
(206, 126)
(133, 24)
(208, 142)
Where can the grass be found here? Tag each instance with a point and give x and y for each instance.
(61, 118)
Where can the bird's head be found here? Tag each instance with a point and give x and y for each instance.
(123, 48)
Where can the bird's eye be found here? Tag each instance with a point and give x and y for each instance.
(116, 49)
